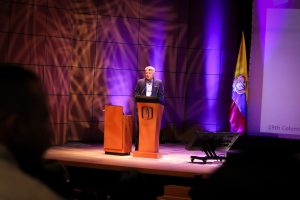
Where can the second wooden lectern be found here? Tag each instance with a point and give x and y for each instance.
(117, 131)
(150, 113)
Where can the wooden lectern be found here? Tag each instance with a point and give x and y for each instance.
(117, 131)
(149, 115)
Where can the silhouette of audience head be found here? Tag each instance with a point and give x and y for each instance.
(23, 115)
(24, 138)
(132, 185)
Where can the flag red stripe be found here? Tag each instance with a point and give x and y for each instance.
(237, 121)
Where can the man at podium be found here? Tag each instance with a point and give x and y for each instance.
(151, 87)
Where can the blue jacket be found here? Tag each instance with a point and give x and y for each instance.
(157, 89)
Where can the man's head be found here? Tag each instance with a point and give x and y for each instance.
(24, 117)
(149, 72)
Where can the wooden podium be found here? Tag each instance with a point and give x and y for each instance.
(149, 115)
(117, 131)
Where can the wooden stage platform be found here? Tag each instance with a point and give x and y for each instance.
(175, 160)
(94, 172)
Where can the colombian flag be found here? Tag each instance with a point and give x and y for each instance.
(238, 108)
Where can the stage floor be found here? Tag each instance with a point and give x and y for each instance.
(175, 160)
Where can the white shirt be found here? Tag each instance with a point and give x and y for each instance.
(149, 88)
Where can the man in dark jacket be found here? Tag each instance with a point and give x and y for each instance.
(151, 87)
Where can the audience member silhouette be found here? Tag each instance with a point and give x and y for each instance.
(264, 167)
(133, 185)
(24, 135)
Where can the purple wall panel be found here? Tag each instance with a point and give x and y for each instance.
(203, 87)
(80, 108)
(59, 106)
(66, 4)
(82, 80)
(119, 82)
(28, 19)
(170, 83)
(99, 82)
(85, 131)
(228, 62)
(4, 16)
(125, 30)
(163, 58)
(57, 80)
(60, 23)
(84, 26)
(223, 115)
(3, 46)
(225, 88)
(61, 132)
(114, 55)
(202, 112)
(85, 6)
(128, 8)
(83, 53)
(38, 50)
(229, 42)
(204, 61)
(90, 53)
(158, 33)
(175, 110)
(99, 103)
(166, 10)
(59, 51)
(15, 54)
